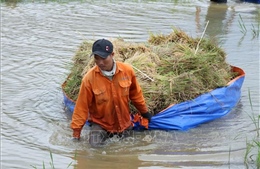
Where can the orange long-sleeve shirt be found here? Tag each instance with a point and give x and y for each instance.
(106, 102)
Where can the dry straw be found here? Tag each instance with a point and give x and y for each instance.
(170, 68)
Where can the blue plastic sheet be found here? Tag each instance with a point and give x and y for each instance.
(204, 108)
(189, 114)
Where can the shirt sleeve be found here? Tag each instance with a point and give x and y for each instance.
(136, 95)
(81, 110)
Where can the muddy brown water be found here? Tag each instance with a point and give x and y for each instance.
(38, 40)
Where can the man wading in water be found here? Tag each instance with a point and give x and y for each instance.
(104, 97)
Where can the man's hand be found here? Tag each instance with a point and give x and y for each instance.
(76, 134)
(74, 139)
(147, 115)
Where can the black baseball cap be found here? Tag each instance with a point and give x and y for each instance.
(102, 48)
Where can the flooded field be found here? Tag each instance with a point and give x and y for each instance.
(38, 41)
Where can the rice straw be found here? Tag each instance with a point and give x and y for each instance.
(201, 37)
(143, 73)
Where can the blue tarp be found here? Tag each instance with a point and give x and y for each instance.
(206, 107)
(189, 114)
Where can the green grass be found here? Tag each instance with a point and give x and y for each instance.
(255, 29)
(242, 25)
(51, 163)
(252, 154)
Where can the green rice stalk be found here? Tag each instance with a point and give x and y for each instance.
(167, 68)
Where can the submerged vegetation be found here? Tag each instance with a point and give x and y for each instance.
(255, 29)
(51, 163)
(252, 155)
(170, 68)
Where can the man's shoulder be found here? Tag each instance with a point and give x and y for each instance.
(90, 72)
(124, 66)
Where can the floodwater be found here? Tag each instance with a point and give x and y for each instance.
(38, 41)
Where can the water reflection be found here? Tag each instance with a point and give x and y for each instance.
(219, 18)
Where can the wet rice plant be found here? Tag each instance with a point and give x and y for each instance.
(170, 68)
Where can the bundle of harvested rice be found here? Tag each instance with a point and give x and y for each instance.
(170, 68)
